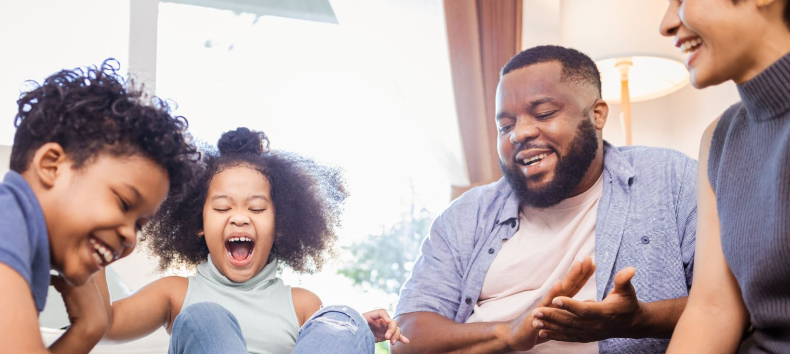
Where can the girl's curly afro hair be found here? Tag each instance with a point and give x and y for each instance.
(307, 197)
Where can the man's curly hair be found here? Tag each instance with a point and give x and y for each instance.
(91, 111)
(307, 198)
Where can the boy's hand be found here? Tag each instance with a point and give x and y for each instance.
(85, 308)
(383, 327)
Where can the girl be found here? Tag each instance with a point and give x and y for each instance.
(251, 209)
(743, 233)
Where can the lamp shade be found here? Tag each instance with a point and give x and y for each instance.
(608, 30)
(650, 77)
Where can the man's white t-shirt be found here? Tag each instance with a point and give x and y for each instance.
(541, 252)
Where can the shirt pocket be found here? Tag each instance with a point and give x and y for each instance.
(656, 255)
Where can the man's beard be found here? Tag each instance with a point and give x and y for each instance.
(568, 173)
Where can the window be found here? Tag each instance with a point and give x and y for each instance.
(41, 37)
(362, 85)
(367, 94)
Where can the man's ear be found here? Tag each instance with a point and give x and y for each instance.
(600, 114)
(48, 164)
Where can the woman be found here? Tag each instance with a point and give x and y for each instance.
(742, 276)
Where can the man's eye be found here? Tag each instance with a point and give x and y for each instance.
(545, 115)
(504, 128)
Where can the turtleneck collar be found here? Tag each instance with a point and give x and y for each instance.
(767, 95)
(264, 278)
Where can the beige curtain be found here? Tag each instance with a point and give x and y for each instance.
(482, 36)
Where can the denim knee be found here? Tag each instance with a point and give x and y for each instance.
(335, 329)
(341, 316)
(204, 312)
(206, 328)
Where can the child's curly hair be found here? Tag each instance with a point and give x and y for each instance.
(307, 200)
(91, 111)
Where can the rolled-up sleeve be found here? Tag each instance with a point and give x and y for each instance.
(436, 280)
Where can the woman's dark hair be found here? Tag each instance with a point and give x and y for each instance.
(92, 111)
(307, 199)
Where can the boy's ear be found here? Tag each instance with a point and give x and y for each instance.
(48, 163)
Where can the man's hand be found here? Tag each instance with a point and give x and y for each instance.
(519, 334)
(85, 309)
(617, 316)
(383, 327)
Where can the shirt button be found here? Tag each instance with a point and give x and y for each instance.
(469, 301)
(513, 223)
(645, 240)
(491, 250)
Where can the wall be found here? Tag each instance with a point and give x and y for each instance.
(5, 158)
(676, 121)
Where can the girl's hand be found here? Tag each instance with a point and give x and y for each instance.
(383, 327)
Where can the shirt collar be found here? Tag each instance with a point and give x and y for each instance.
(616, 166)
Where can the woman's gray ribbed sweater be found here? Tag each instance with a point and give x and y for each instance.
(749, 169)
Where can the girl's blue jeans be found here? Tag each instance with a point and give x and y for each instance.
(208, 328)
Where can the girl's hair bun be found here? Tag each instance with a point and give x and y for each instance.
(243, 141)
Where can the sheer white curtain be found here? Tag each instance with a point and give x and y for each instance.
(410, 38)
(41, 37)
(371, 94)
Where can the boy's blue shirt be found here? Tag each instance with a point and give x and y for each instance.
(24, 244)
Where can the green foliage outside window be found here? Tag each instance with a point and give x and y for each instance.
(384, 260)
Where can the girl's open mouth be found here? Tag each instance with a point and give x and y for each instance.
(239, 250)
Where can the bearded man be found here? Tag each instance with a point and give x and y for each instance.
(497, 274)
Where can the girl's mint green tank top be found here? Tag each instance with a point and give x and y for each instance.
(263, 306)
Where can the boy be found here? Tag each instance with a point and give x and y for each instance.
(90, 165)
